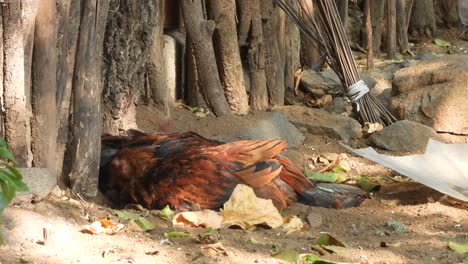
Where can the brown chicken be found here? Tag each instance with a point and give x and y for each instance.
(187, 171)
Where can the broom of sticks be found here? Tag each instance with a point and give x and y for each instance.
(321, 25)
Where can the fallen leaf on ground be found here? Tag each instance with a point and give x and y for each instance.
(395, 226)
(370, 128)
(442, 43)
(126, 215)
(152, 253)
(292, 224)
(144, 224)
(310, 258)
(288, 255)
(385, 244)
(458, 248)
(102, 226)
(166, 213)
(329, 240)
(245, 210)
(366, 184)
(256, 242)
(177, 234)
(213, 250)
(205, 218)
(332, 177)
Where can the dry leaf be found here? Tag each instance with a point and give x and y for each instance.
(370, 128)
(102, 226)
(205, 218)
(292, 224)
(245, 210)
(297, 79)
(213, 250)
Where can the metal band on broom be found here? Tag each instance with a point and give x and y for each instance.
(319, 21)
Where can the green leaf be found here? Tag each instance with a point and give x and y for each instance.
(317, 176)
(166, 213)
(458, 248)
(366, 184)
(16, 183)
(4, 201)
(329, 240)
(288, 255)
(15, 172)
(3, 143)
(395, 226)
(144, 224)
(177, 234)
(8, 190)
(310, 258)
(126, 215)
(465, 261)
(442, 43)
(275, 246)
(338, 169)
(4, 153)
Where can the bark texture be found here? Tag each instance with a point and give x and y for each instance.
(401, 27)
(228, 56)
(391, 29)
(251, 36)
(377, 15)
(200, 31)
(423, 19)
(292, 49)
(44, 127)
(86, 147)
(274, 66)
(129, 38)
(156, 70)
(16, 21)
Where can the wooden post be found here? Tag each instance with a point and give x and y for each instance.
(391, 29)
(368, 25)
(44, 125)
(86, 128)
(401, 27)
(228, 56)
(201, 33)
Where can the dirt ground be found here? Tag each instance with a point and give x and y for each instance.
(48, 230)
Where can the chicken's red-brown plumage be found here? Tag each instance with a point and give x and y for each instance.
(186, 171)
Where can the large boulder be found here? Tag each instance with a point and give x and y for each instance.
(404, 136)
(434, 93)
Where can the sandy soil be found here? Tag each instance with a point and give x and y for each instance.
(430, 220)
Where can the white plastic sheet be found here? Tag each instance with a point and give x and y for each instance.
(443, 167)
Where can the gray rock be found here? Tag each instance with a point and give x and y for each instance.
(39, 180)
(404, 136)
(277, 126)
(434, 93)
(312, 81)
(339, 106)
(321, 122)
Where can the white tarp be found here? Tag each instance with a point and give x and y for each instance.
(443, 167)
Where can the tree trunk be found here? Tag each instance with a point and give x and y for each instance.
(2, 101)
(200, 31)
(274, 67)
(44, 127)
(129, 40)
(156, 68)
(17, 113)
(391, 29)
(86, 147)
(447, 12)
(69, 17)
(251, 34)
(377, 15)
(193, 95)
(227, 53)
(423, 20)
(402, 34)
(368, 26)
(292, 57)
(342, 6)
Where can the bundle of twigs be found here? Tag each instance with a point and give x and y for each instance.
(320, 22)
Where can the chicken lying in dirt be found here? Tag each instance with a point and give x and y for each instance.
(187, 171)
